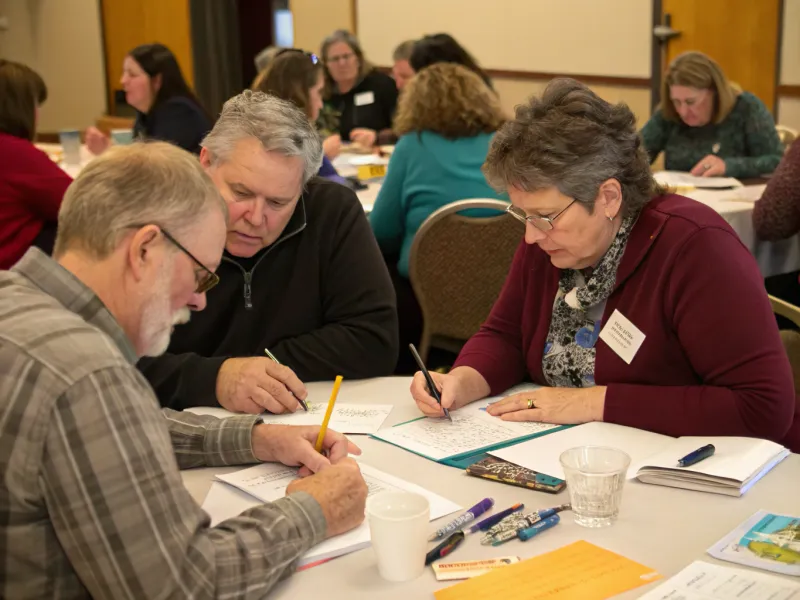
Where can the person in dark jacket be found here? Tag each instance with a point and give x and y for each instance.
(301, 275)
(443, 48)
(364, 98)
(166, 107)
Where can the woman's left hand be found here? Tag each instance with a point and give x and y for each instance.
(364, 137)
(563, 406)
(711, 166)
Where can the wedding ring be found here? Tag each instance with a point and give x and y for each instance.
(706, 166)
(530, 403)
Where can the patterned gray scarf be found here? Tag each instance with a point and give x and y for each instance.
(577, 317)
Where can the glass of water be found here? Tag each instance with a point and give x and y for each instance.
(595, 477)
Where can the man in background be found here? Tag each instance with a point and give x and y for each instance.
(401, 70)
(93, 502)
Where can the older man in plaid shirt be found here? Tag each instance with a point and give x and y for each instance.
(91, 500)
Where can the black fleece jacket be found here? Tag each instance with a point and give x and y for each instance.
(320, 298)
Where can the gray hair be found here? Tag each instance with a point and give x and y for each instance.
(572, 140)
(130, 186)
(404, 50)
(279, 125)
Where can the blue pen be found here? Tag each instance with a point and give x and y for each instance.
(541, 526)
(472, 514)
(696, 456)
(495, 519)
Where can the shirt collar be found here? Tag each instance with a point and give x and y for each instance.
(57, 282)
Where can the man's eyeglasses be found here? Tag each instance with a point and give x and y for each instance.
(341, 58)
(313, 57)
(541, 223)
(205, 280)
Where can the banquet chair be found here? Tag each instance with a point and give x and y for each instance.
(457, 266)
(790, 338)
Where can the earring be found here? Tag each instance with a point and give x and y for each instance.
(610, 218)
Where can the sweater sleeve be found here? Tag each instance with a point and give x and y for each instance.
(764, 150)
(745, 384)
(496, 350)
(359, 338)
(388, 216)
(776, 215)
(181, 381)
(180, 124)
(654, 135)
(44, 183)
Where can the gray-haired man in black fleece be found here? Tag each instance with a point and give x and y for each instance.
(301, 274)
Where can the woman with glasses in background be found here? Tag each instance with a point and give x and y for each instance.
(708, 126)
(298, 77)
(631, 305)
(364, 98)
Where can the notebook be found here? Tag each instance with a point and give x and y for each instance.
(737, 464)
(681, 180)
(466, 440)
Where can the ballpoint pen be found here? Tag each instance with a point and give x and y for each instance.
(472, 514)
(431, 386)
(277, 362)
(494, 519)
(695, 457)
(538, 528)
(508, 528)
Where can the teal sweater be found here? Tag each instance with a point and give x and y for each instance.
(747, 140)
(427, 171)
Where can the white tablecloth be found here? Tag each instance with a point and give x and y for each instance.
(660, 527)
(774, 258)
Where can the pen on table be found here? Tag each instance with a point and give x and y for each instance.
(445, 548)
(494, 519)
(324, 429)
(429, 380)
(696, 456)
(538, 528)
(277, 362)
(507, 529)
(472, 514)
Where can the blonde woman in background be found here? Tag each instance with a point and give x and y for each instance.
(708, 126)
(446, 119)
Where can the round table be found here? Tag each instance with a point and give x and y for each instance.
(660, 527)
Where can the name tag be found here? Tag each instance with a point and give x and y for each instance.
(364, 98)
(622, 336)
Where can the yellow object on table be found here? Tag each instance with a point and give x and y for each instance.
(324, 429)
(371, 171)
(580, 571)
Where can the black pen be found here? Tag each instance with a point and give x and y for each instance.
(429, 379)
(277, 362)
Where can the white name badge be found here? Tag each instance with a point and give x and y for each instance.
(622, 336)
(364, 98)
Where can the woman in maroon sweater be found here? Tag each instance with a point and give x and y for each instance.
(630, 305)
(31, 185)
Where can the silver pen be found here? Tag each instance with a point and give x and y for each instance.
(277, 362)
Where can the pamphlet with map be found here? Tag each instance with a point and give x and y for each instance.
(765, 541)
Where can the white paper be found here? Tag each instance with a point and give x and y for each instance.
(622, 336)
(706, 581)
(346, 418)
(472, 428)
(542, 454)
(680, 179)
(268, 482)
(364, 98)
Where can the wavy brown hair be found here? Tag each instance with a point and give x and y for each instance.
(697, 70)
(289, 76)
(450, 100)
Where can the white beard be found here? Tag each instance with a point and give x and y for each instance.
(157, 322)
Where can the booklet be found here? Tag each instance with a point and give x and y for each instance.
(765, 541)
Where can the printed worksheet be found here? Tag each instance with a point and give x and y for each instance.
(705, 581)
(346, 418)
(267, 482)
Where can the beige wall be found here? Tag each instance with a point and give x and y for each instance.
(789, 107)
(314, 20)
(61, 39)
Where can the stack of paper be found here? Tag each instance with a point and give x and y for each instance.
(268, 482)
(704, 581)
(346, 418)
(678, 179)
(737, 464)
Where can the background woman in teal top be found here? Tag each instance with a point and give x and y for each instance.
(446, 119)
(706, 125)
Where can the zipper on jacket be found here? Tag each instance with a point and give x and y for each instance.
(248, 291)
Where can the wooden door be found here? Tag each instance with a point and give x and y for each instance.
(741, 35)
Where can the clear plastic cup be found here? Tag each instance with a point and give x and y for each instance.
(398, 523)
(595, 477)
(71, 143)
(122, 137)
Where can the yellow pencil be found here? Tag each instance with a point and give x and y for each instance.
(323, 430)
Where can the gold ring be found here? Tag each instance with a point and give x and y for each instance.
(707, 166)
(530, 403)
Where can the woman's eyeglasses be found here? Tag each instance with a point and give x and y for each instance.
(541, 223)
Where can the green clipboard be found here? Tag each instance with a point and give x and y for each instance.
(465, 459)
